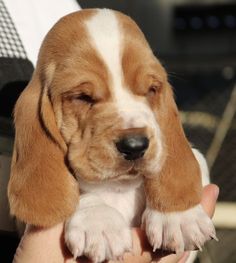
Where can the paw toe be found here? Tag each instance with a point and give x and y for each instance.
(95, 247)
(75, 241)
(179, 231)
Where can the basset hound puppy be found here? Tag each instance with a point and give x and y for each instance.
(99, 143)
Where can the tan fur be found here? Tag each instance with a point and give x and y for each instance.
(56, 132)
(41, 190)
(178, 186)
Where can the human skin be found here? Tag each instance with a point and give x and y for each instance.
(47, 245)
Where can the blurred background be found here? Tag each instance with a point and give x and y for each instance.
(196, 42)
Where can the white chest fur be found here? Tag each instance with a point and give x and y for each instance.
(127, 197)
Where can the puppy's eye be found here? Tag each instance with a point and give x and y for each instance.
(153, 89)
(85, 98)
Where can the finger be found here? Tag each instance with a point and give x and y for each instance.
(140, 242)
(44, 242)
(209, 198)
(184, 257)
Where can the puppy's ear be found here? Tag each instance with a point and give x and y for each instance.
(41, 190)
(178, 185)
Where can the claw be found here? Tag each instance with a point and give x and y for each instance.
(214, 237)
(75, 254)
(198, 246)
(156, 246)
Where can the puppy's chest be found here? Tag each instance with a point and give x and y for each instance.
(130, 203)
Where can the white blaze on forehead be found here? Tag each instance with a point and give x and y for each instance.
(104, 30)
(107, 36)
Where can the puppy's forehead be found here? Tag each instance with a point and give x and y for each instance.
(110, 34)
(115, 36)
(105, 33)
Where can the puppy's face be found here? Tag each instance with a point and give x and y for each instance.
(108, 93)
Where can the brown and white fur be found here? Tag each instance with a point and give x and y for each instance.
(96, 82)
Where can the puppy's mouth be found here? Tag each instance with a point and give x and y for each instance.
(131, 173)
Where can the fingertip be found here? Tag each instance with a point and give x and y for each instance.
(211, 190)
(209, 198)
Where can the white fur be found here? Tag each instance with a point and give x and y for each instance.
(113, 207)
(127, 197)
(178, 231)
(97, 230)
(106, 35)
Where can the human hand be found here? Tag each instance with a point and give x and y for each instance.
(47, 245)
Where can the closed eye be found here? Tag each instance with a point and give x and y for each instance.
(152, 90)
(85, 98)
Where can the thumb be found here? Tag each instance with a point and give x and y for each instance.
(209, 198)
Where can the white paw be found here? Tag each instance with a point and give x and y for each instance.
(178, 231)
(98, 232)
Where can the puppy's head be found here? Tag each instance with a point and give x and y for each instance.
(106, 88)
(99, 105)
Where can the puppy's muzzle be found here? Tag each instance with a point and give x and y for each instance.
(132, 147)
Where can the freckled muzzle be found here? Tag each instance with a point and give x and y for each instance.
(132, 147)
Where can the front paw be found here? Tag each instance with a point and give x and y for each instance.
(98, 232)
(178, 231)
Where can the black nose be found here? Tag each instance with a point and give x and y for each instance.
(132, 146)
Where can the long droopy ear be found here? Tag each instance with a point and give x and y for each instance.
(41, 190)
(178, 185)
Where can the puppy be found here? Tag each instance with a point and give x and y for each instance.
(99, 118)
